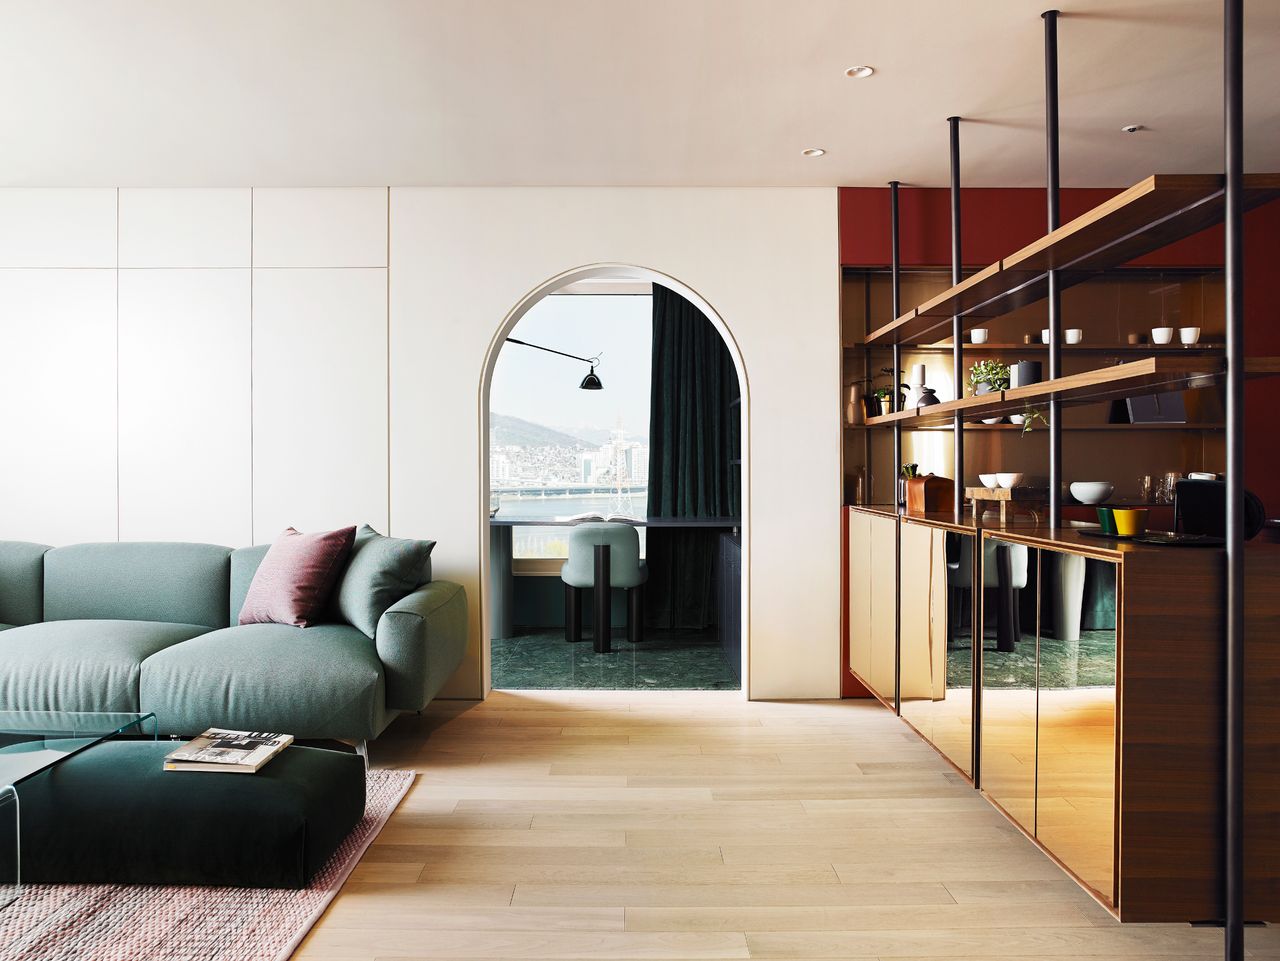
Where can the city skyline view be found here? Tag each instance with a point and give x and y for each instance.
(556, 450)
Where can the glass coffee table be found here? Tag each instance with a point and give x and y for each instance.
(35, 741)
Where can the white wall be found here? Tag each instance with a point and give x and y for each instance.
(218, 364)
(764, 259)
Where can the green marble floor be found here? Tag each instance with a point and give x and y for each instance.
(1088, 662)
(541, 659)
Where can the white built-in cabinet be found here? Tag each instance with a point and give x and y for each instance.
(58, 405)
(192, 364)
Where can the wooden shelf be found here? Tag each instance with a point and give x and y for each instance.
(1039, 428)
(1146, 217)
(1105, 350)
(1152, 375)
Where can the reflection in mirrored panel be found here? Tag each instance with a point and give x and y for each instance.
(1075, 817)
(1010, 575)
(936, 660)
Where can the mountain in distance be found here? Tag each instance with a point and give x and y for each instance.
(508, 431)
(599, 436)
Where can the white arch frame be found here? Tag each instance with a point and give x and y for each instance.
(613, 272)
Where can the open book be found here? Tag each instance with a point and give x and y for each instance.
(590, 518)
(232, 752)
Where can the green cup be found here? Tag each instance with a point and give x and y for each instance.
(1107, 519)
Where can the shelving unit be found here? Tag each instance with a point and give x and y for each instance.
(894, 610)
(1149, 215)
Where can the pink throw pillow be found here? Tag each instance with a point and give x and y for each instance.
(293, 583)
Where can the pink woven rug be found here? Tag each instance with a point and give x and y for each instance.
(125, 922)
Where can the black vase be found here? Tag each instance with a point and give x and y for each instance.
(1025, 372)
(928, 397)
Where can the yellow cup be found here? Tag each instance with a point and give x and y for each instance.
(1130, 521)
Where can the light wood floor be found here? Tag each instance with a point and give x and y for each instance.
(621, 826)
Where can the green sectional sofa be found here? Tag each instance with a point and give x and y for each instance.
(153, 627)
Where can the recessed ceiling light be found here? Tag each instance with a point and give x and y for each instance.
(1133, 127)
(860, 71)
(812, 152)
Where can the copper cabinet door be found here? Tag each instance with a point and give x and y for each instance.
(1010, 615)
(935, 655)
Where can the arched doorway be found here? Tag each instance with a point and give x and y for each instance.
(607, 275)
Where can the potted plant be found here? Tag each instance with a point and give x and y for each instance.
(884, 395)
(986, 377)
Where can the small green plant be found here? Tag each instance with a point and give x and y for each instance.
(1030, 416)
(910, 470)
(993, 373)
(882, 392)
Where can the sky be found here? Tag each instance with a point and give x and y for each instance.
(543, 388)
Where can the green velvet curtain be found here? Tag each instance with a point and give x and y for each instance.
(694, 453)
(693, 415)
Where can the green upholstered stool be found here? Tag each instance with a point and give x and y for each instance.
(603, 556)
(114, 815)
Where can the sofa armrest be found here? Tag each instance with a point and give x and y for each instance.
(420, 641)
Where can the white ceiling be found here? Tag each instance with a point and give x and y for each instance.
(697, 92)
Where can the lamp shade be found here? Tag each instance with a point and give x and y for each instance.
(591, 381)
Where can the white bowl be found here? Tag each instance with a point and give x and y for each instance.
(1044, 336)
(1189, 335)
(1009, 480)
(1161, 335)
(1074, 335)
(1092, 492)
(978, 335)
(989, 480)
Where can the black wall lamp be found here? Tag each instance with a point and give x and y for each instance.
(590, 382)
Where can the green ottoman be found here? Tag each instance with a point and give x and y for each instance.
(114, 815)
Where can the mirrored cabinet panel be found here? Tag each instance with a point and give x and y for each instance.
(871, 597)
(936, 679)
(1010, 617)
(1076, 795)
(884, 532)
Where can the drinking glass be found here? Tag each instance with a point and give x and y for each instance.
(1146, 489)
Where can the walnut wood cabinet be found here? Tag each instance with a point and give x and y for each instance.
(1099, 734)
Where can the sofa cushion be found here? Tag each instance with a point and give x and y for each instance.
(296, 578)
(316, 682)
(21, 582)
(244, 564)
(174, 583)
(382, 570)
(81, 665)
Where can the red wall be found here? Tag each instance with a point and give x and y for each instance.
(996, 221)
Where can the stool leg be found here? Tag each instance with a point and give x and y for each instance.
(1007, 609)
(572, 614)
(635, 615)
(604, 628)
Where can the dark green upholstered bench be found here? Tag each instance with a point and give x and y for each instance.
(114, 815)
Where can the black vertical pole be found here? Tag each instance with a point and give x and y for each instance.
(1055, 292)
(896, 264)
(897, 449)
(1233, 112)
(957, 335)
(603, 599)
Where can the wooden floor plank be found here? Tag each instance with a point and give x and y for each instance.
(628, 826)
